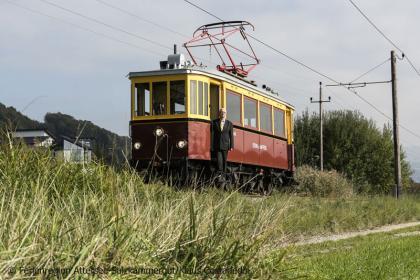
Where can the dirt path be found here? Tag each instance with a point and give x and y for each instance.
(346, 235)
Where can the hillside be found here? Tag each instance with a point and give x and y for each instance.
(106, 145)
(13, 119)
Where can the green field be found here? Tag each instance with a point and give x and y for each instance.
(391, 255)
(64, 216)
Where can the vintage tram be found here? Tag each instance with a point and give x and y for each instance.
(171, 112)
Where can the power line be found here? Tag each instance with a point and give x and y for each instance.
(81, 27)
(376, 27)
(106, 24)
(97, 33)
(292, 59)
(215, 16)
(371, 105)
(410, 131)
(142, 19)
(316, 71)
(383, 114)
(371, 70)
(336, 96)
(143, 38)
(412, 65)
(386, 37)
(207, 12)
(378, 110)
(176, 32)
(268, 46)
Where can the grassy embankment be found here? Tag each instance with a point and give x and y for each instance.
(56, 215)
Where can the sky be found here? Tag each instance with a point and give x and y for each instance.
(75, 59)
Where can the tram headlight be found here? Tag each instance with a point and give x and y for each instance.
(137, 145)
(159, 131)
(181, 144)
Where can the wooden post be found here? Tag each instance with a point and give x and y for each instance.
(321, 148)
(397, 157)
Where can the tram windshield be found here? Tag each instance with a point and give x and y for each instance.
(151, 99)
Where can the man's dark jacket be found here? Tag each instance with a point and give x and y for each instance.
(221, 140)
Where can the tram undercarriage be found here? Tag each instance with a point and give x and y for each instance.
(200, 174)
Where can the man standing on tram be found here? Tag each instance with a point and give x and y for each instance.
(222, 140)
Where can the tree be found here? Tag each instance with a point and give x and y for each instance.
(12, 119)
(353, 145)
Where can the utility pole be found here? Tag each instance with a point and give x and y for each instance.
(397, 158)
(321, 148)
(395, 118)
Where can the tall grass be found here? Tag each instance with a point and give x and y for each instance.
(60, 215)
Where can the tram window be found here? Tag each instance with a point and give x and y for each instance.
(142, 102)
(193, 97)
(250, 112)
(279, 122)
(177, 97)
(265, 118)
(233, 108)
(206, 99)
(200, 98)
(159, 98)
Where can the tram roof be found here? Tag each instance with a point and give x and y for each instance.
(211, 73)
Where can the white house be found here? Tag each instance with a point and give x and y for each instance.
(75, 150)
(35, 137)
(67, 149)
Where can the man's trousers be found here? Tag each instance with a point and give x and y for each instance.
(221, 160)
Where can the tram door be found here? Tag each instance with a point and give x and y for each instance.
(214, 101)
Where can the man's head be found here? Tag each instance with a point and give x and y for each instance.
(222, 113)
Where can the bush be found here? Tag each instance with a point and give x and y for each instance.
(354, 146)
(324, 184)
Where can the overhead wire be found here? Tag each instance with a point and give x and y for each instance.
(265, 44)
(375, 26)
(268, 46)
(380, 111)
(105, 24)
(370, 70)
(179, 33)
(386, 37)
(81, 27)
(292, 59)
(314, 70)
(124, 11)
(385, 115)
(412, 65)
(394, 45)
(207, 12)
(156, 43)
(339, 98)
